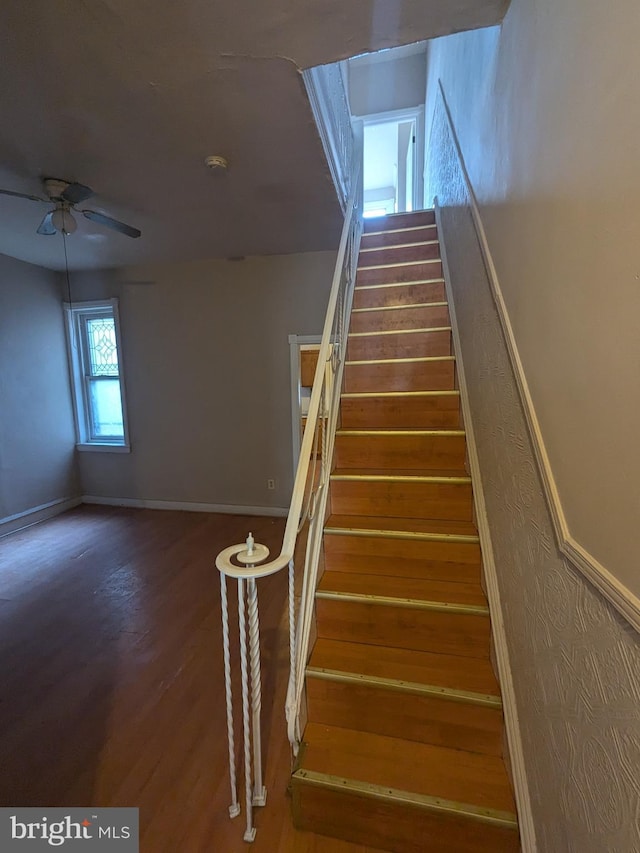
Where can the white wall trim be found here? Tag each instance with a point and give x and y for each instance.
(509, 705)
(189, 506)
(36, 514)
(620, 596)
(416, 113)
(405, 114)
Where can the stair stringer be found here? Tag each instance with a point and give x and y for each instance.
(514, 757)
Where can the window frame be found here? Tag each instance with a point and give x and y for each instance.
(77, 315)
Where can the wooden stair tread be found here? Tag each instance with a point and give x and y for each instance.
(405, 242)
(455, 672)
(412, 473)
(406, 525)
(369, 362)
(402, 253)
(391, 282)
(452, 774)
(378, 430)
(397, 587)
(435, 327)
(404, 306)
(393, 221)
(377, 394)
(380, 394)
(399, 237)
(398, 263)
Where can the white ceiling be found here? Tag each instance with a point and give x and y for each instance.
(130, 97)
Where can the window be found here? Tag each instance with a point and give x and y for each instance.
(93, 336)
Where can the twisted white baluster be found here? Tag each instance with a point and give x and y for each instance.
(325, 438)
(259, 791)
(234, 808)
(250, 832)
(291, 688)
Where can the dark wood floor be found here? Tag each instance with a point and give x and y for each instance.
(111, 679)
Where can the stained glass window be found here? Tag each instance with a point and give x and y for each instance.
(103, 350)
(97, 374)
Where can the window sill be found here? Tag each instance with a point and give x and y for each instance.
(103, 448)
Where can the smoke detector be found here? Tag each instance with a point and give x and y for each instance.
(215, 161)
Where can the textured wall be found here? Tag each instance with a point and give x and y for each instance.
(329, 101)
(575, 662)
(37, 433)
(386, 84)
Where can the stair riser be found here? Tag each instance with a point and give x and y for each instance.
(412, 376)
(401, 294)
(394, 826)
(401, 499)
(399, 238)
(428, 719)
(444, 560)
(400, 412)
(398, 254)
(400, 318)
(406, 452)
(410, 628)
(400, 345)
(410, 272)
(400, 220)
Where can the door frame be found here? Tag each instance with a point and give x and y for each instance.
(395, 116)
(296, 342)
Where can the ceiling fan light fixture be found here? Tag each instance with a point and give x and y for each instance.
(65, 196)
(63, 220)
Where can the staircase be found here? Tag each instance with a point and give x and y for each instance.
(403, 745)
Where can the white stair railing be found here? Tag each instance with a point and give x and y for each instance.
(245, 562)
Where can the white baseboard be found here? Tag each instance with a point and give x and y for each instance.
(619, 595)
(509, 706)
(188, 506)
(36, 514)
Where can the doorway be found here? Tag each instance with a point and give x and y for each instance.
(392, 173)
(304, 352)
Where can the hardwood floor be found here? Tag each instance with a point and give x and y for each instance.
(112, 689)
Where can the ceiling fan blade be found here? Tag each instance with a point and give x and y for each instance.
(47, 227)
(23, 195)
(108, 222)
(75, 193)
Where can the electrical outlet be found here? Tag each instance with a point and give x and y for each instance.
(271, 484)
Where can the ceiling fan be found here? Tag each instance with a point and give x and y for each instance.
(65, 196)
